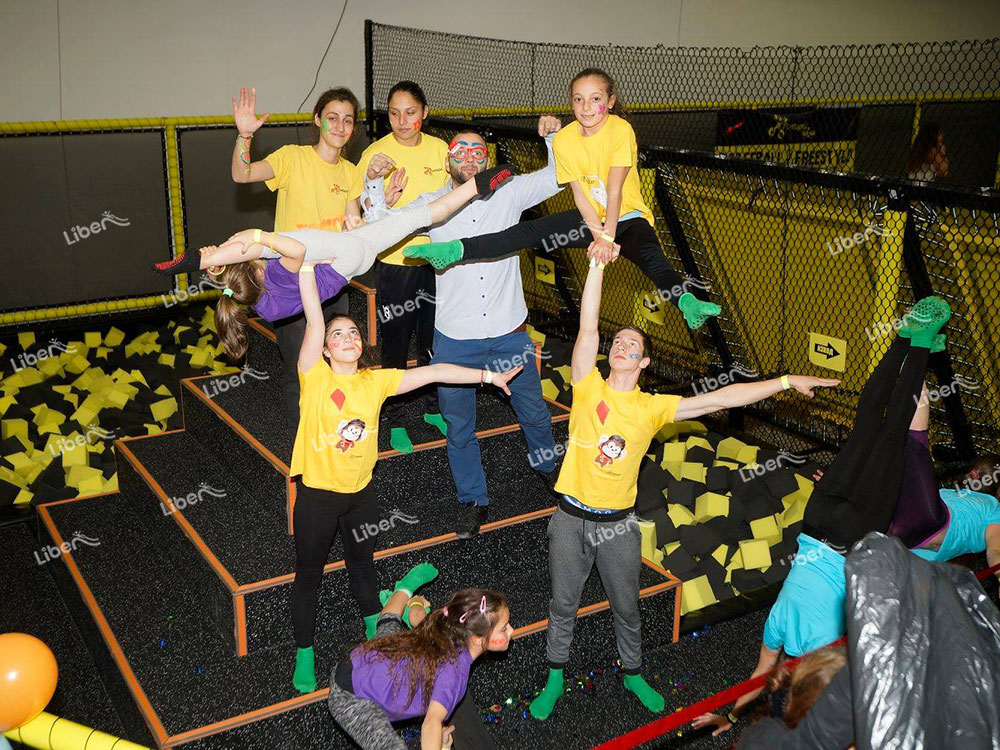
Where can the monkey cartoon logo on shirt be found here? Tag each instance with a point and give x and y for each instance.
(610, 447)
(351, 432)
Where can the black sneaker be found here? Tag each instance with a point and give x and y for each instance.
(470, 518)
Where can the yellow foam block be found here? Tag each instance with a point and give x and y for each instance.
(657, 557)
(92, 339)
(696, 594)
(208, 319)
(679, 514)
(162, 410)
(648, 545)
(720, 553)
(728, 464)
(748, 455)
(73, 452)
(566, 372)
(700, 442)
(549, 389)
(50, 366)
(117, 399)
(26, 339)
(77, 474)
(729, 447)
(793, 513)
(805, 485)
(77, 364)
(137, 376)
(756, 554)
(693, 471)
(162, 390)
(534, 334)
(673, 467)
(203, 357)
(20, 462)
(31, 376)
(763, 528)
(166, 359)
(5, 403)
(670, 547)
(46, 417)
(710, 504)
(674, 451)
(111, 485)
(84, 416)
(14, 427)
(178, 331)
(94, 402)
(101, 384)
(114, 337)
(133, 347)
(153, 429)
(23, 497)
(3, 348)
(672, 429)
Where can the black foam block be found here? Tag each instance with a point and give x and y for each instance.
(776, 573)
(717, 479)
(666, 532)
(652, 478)
(700, 455)
(714, 438)
(747, 580)
(729, 530)
(681, 491)
(679, 562)
(10, 446)
(781, 482)
(699, 539)
(767, 457)
(716, 573)
(758, 502)
(8, 492)
(808, 470)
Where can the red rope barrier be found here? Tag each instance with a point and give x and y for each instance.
(679, 718)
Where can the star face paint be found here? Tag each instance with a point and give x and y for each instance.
(417, 124)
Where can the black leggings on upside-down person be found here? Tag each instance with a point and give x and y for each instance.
(637, 238)
(859, 492)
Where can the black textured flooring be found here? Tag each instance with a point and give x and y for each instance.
(256, 404)
(238, 526)
(32, 604)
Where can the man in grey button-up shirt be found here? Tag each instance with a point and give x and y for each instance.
(480, 317)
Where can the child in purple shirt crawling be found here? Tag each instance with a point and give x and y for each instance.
(402, 674)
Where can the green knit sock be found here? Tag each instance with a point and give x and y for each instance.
(399, 439)
(938, 345)
(384, 595)
(695, 311)
(438, 254)
(925, 320)
(438, 421)
(651, 699)
(371, 623)
(419, 575)
(304, 678)
(542, 706)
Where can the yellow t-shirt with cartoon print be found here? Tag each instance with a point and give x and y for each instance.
(589, 159)
(609, 432)
(337, 441)
(312, 193)
(426, 172)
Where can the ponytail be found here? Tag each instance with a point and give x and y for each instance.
(610, 86)
(233, 311)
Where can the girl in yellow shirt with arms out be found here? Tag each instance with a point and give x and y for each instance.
(335, 451)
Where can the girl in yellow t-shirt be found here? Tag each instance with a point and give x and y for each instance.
(417, 163)
(598, 156)
(335, 451)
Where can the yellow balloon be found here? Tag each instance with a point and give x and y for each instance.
(28, 674)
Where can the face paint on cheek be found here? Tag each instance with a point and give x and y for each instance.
(601, 109)
(417, 124)
(635, 356)
(325, 126)
(358, 344)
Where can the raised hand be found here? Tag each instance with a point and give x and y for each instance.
(804, 384)
(244, 112)
(380, 166)
(395, 187)
(548, 124)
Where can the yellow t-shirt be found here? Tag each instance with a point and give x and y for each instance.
(425, 173)
(337, 441)
(609, 432)
(588, 160)
(312, 193)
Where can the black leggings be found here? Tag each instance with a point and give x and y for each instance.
(318, 515)
(860, 490)
(637, 238)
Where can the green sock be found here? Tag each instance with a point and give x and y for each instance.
(399, 439)
(542, 706)
(925, 320)
(371, 623)
(438, 421)
(438, 254)
(695, 311)
(384, 595)
(651, 699)
(418, 575)
(938, 345)
(304, 678)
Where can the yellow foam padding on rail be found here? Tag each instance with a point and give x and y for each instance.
(26, 339)
(673, 452)
(696, 594)
(648, 545)
(729, 447)
(49, 732)
(693, 471)
(756, 554)
(709, 505)
(679, 514)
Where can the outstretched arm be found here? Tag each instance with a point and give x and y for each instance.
(247, 124)
(588, 340)
(456, 375)
(744, 394)
(765, 663)
(993, 545)
(249, 245)
(312, 341)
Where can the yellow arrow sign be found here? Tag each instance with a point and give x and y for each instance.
(827, 351)
(545, 270)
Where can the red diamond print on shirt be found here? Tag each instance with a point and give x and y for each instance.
(338, 398)
(602, 411)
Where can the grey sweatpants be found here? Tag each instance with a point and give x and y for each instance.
(354, 252)
(575, 545)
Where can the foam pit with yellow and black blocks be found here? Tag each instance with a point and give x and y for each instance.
(65, 395)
